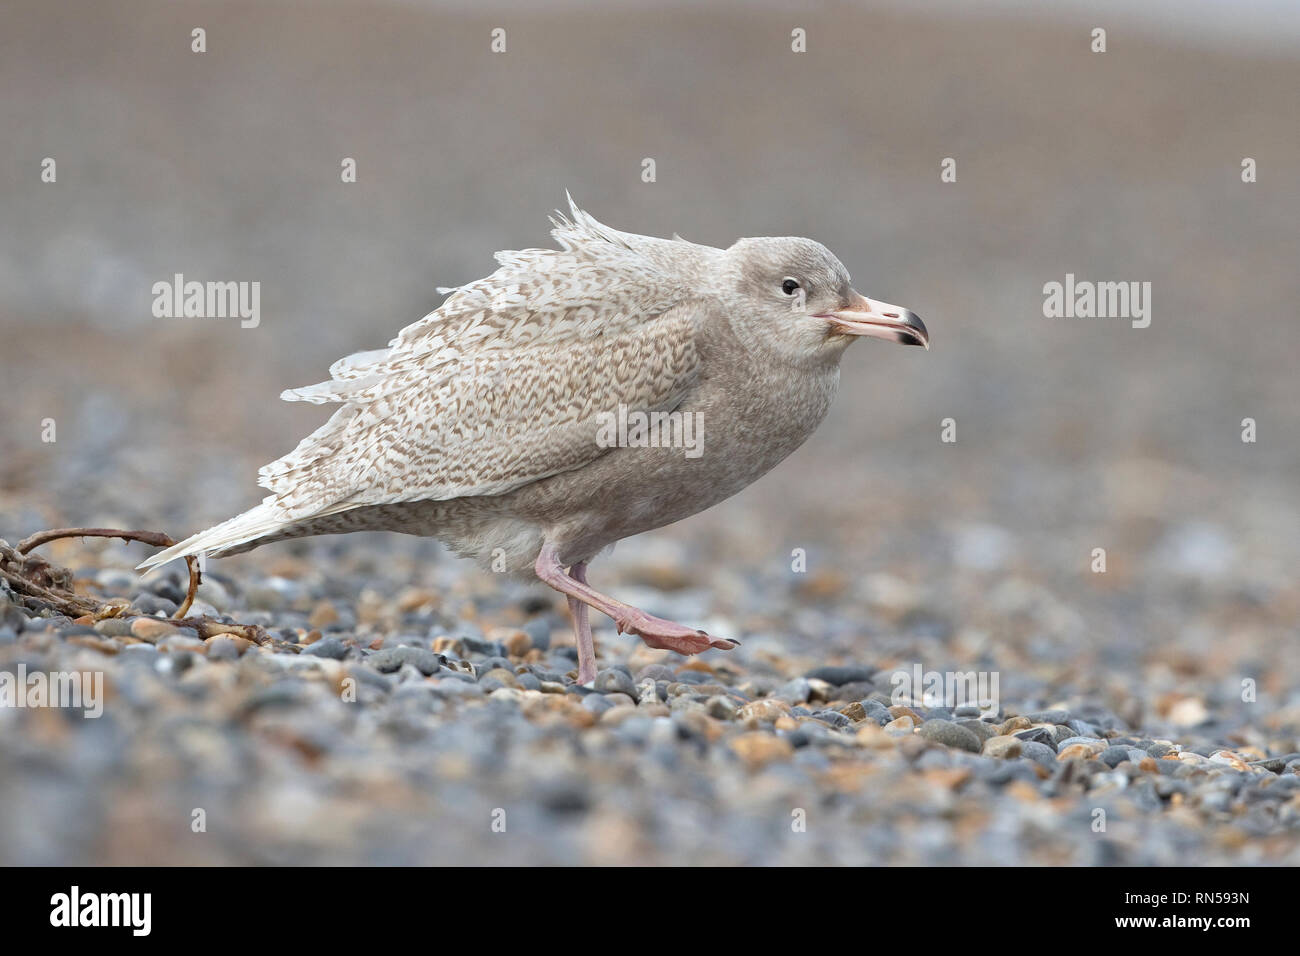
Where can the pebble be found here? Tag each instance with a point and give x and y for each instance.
(1115, 755)
(901, 726)
(153, 605)
(764, 710)
(615, 680)
(151, 630)
(980, 728)
(758, 749)
(1004, 746)
(1039, 753)
(390, 659)
(950, 735)
(329, 647)
(840, 675)
(226, 647)
(795, 691)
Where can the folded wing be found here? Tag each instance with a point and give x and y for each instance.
(502, 385)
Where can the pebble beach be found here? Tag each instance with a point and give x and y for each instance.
(1065, 510)
(382, 722)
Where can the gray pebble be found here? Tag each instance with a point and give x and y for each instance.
(721, 708)
(328, 647)
(1114, 755)
(841, 674)
(656, 673)
(979, 728)
(1039, 753)
(539, 630)
(614, 680)
(1041, 735)
(951, 735)
(389, 659)
(795, 691)
(152, 604)
(223, 648)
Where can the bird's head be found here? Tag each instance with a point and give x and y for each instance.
(793, 295)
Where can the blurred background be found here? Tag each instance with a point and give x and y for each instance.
(1071, 434)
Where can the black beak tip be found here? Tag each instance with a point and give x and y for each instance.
(919, 334)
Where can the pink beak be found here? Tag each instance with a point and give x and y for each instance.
(879, 320)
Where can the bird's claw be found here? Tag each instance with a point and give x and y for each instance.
(668, 635)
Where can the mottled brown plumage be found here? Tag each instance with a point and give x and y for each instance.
(481, 424)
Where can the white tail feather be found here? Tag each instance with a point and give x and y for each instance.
(255, 523)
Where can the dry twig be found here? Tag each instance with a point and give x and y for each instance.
(36, 579)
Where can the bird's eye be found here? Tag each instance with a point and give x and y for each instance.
(789, 286)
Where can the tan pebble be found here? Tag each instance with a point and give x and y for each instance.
(1149, 765)
(151, 629)
(1229, 758)
(665, 576)
(1075, 752)
(1012, 725)
(310, 638)
(947, 778)
(1004, 746)
(766, 709)
(822, 584)
(712, 728)
(553, 687)
(412, 599)
(443, 644)
(900, 726)
(695, 664)
(1188, 712)
(1023, 790)
(86, 620)
(873, 736)
(785, 722)
(323, 615)
(504, 676)
(902, 710)
(517, 642)
(855, 711)
(654, 710)
(758, 749)
(616, 715)
(820, 689)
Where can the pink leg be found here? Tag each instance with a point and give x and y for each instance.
(582, 629)
(655, 631)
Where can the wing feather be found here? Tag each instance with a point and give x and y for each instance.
(503, 384)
